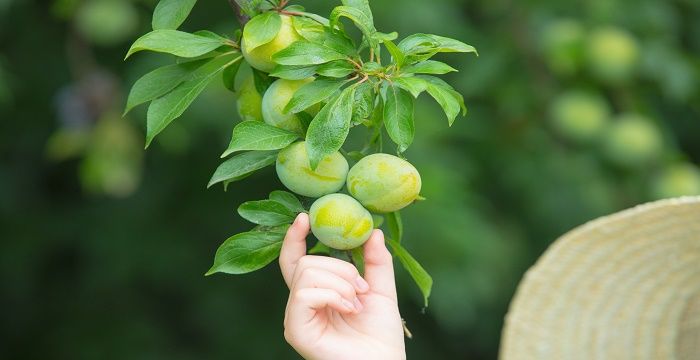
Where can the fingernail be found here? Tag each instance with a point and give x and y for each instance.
(362, 285)
(348, 305)
(358, 304)
(296, 219)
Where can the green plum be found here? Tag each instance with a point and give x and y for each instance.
(562, 43)
(294, 171)
(261, 56)
(107, 22)
(633, 141)
(384, 183)
(677, 180)
(276, 98)
(612, 54)
(579, 116)
(340, 222)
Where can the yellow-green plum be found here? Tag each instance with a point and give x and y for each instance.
(562, 43)
(633, 141)
(613, 54)
(261, 56)
(276, 98)
(340, 222)
(677, 180)
(579, 116)
(249, 100)
(294, 171)
(384, 183)
(107, 22)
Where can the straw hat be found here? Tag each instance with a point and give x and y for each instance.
(625, 286)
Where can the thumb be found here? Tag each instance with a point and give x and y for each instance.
(379, 268)
(294, 247)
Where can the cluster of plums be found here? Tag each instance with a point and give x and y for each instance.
(380, 183)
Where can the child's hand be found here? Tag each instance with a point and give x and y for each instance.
(332, 312)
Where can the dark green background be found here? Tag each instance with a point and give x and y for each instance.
(87, 272)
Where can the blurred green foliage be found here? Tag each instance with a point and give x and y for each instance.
(104, 246)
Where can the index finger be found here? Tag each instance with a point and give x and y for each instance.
(294, 247)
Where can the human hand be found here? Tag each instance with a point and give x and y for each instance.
(332, 312)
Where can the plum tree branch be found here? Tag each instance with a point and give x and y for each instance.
(242, 18)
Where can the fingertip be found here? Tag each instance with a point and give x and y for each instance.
(375, 247)
(301, 221)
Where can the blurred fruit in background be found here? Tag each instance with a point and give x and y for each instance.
(579, 115)
(633, 141)
(676, 179)
(107, 22)
(612, 54)
(562, 42)
(248, 99)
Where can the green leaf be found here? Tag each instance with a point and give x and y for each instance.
(363, 102)
(261, 29)
(395, 52)
(248, 251)
(257, 135)
(336, 69)
(395, 225)
(158, 83)
(170, 14)
(313, 93)
(164, 110)
(175, 42)
(229, 76)
(330, 127)
(362, 5)
(362, 20)
(398, 117)
(420, 47)
(306, 53)
(319, 34)
(449, 99)
(249, 7)
(429, 67)
(319, 248)
(293, 72)
(287, 199)
(419, 275)
(266, 212)
(261, 80)
(414, 85)
(241, 165)
(358, 258)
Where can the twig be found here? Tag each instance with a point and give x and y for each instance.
(242, 18)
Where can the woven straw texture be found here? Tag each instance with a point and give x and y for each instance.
(625, 286)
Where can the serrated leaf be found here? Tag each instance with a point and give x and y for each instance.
(248, 251)
(419, 275)
(306, 53)
(261, 29)
(266, 212)
(257, 135)
(429, 67)
(330, 127)
(170, 14)
(158, 83)
(360, 17)
(175, 42)
(394, 225)
(336, 69)
(241, 165)
(363, 102)
(287, 199)
(164, 110)
(420, 47)
(312, 93)
(449, 99)
(414, 85)
(395, 52)
(398, 117)
(293, 72)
